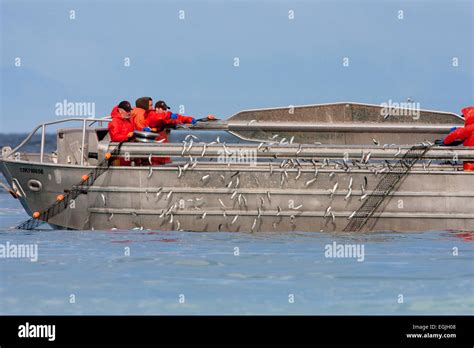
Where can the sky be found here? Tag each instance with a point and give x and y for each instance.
(289, 53)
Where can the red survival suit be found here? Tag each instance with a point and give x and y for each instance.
(464, 134)
(138, 117)
(157, 121)
(119, 129)
(160, 119)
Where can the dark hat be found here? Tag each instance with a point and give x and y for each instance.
(162, 105)
(142, 102)
(125, 105)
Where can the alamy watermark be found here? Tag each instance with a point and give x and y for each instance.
(68, 108)
(408, 108)
(345, 251)
(28, 330)
(19, 251)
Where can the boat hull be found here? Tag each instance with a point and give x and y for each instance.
(246, 198)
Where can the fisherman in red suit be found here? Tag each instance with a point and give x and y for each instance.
(463, 135)
(160, 120)
(121, 128)
(161, 116)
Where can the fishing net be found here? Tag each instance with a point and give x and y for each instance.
(384, 188)
(81, 188)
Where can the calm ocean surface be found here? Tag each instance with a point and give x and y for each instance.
(154, 272)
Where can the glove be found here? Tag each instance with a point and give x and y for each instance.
(211, 117)
(174, 116)
(439, 142)
(147, 129)
(130, 135)
(453, 129)
(193, 121)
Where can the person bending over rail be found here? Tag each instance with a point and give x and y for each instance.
(463, 135)
(161, 120)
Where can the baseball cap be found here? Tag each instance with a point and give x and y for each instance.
(162, 105)
(125, 105)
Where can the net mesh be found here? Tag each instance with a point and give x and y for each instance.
(384, 188)
(81, 188)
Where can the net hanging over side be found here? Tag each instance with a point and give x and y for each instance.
(63, 201)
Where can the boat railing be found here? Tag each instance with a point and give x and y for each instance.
(44, 125)
(237, 152)
(295, 150)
